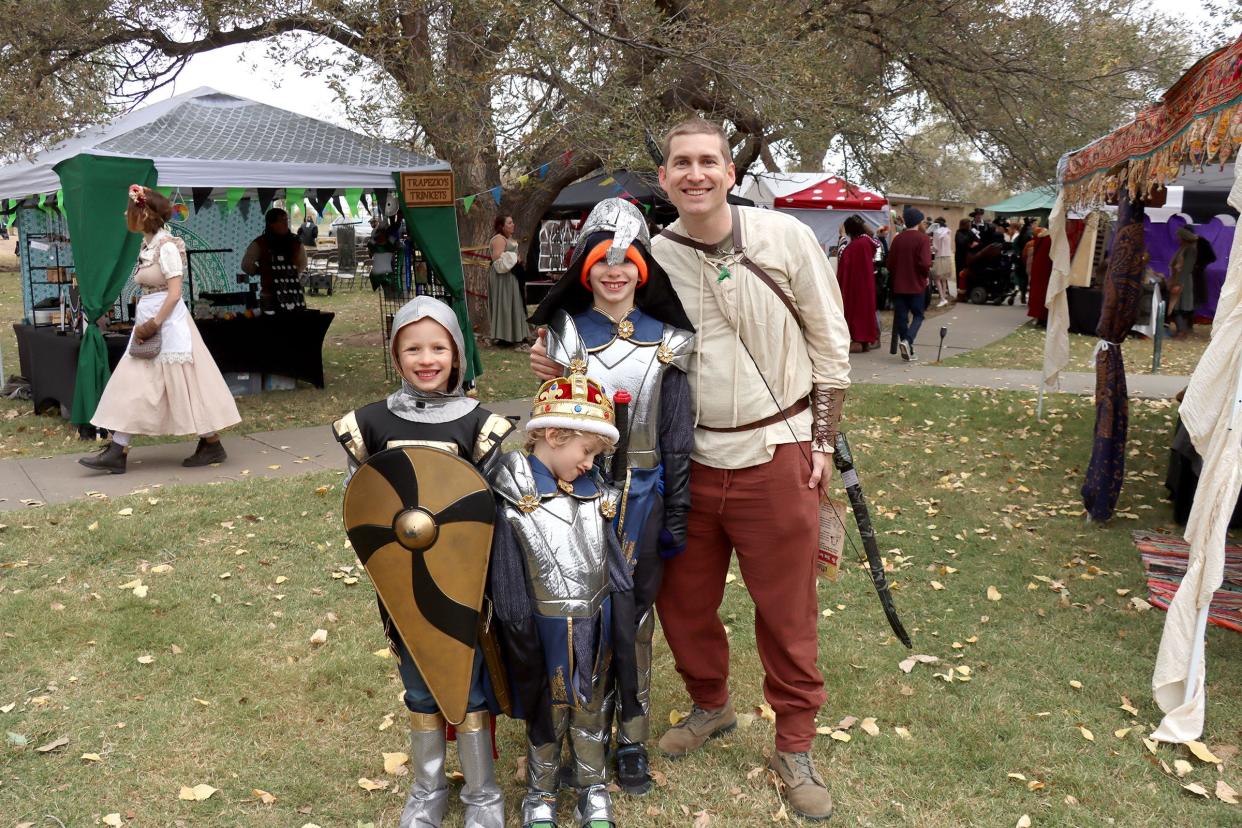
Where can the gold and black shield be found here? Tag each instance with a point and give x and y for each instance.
(420, 521)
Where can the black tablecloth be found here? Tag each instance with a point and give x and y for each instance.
(1085, 305)
(289, 344)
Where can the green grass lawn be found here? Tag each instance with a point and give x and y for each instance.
(968, 491)
(1024, 350)
(353, 372)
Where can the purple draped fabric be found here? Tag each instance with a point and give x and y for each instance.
(1123, 287)
(1161, 240)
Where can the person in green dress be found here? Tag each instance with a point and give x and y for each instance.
(505, 305)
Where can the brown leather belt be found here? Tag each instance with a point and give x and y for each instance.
(797, 408)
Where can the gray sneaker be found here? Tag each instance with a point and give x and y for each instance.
(692, 732)
(904, 348)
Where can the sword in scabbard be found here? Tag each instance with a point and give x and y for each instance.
(844, 461)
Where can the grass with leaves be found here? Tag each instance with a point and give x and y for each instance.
(1024, 350)
(353, 362)
(171, 647)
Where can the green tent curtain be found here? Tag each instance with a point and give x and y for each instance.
(104, 251)
(434, 230)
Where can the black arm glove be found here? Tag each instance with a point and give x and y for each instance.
(676, 441)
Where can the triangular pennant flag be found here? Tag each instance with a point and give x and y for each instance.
(522, 179)
(320, 199)
(381, 199)
(646, 207)
(353, 198)
(609, 180)
(496, 191)
(166, 192)
(467, 203)
(42, 201)
(266, 195)
(60, 201)
(243, 207)
(231, 196)
(201, 196)
(543, 170)
(294, 199)
(336, 202)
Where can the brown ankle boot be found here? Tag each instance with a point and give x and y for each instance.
(206, 453)
(692, 732)
(111, 459)
(804, 787)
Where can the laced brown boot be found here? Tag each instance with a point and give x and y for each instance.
(805, 789)
(692, 732)
(206, 453)
(111, 459)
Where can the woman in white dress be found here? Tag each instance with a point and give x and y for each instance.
(177, 388)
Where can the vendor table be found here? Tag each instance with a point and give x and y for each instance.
(288, 344)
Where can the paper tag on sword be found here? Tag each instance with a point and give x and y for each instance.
(831, 537)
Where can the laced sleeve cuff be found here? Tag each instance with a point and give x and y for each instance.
(826, 405)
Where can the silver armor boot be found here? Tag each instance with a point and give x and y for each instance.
(429, 793)
(485, 806)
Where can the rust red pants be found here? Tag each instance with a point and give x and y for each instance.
(769, 516)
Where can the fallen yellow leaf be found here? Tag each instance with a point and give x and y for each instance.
(393, 761)
(1181, 767)
(1016, 776)
(1123, 732)
(369, 785)
(91, 757)
(869, 727)
(1077, 685)
(1225, 793)
(766, 712)
(113, 820)
(675, 716)
(1196, 788)
(902, 732)
(263, 796)
(937, 585)
(1202, 753)
(198, 793)
(1086, 734)
(1024, 821)
(993, 594)
(319, 637)
(280, 579)
(841, 736)
(1129, 708)
(384, 653)
(126, 512)
(145, 659)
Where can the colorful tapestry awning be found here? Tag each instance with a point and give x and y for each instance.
(1198, 121)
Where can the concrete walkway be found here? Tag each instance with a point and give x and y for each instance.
(27, 482)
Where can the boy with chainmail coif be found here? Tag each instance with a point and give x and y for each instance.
(430, 410)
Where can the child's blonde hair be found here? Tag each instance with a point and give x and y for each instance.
(557, 437)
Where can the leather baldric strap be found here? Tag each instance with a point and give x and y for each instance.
(744, 260)
(797, 408)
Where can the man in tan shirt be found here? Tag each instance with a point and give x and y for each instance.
(768, 378)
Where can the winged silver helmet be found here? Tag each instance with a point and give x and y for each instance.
(623, 220)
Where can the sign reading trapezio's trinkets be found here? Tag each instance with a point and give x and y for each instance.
(427, 189)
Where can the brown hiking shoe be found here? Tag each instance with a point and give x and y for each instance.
(804, 787)
(692, 732)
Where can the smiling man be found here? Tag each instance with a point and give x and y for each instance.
(768, 379)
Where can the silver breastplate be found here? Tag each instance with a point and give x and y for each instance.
(637, 367)
(562, 539)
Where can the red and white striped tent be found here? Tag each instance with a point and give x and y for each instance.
(820, 200)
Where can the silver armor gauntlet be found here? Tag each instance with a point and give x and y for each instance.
(826, 404)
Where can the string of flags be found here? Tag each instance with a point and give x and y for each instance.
(496, 191)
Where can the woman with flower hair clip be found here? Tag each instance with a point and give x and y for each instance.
(167, 382)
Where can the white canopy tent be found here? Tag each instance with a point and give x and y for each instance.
(205, 138)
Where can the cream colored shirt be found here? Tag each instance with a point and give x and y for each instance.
(728, 311)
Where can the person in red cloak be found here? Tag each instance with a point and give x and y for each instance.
(856, 276)
(1038, 256)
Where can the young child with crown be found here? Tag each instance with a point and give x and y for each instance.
(556, 568)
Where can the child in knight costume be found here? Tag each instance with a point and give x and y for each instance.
(431, 411)
(614, 316)
(557, 575)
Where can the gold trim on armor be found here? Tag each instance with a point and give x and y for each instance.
(625, 329)
(564, 486)
(495, 429)
(426, 722)
(348, 425)
(474, 722)
(578, 365)
(439, 445)
(664, 354)
(608, 507)
(558, 686)
(528, 503)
